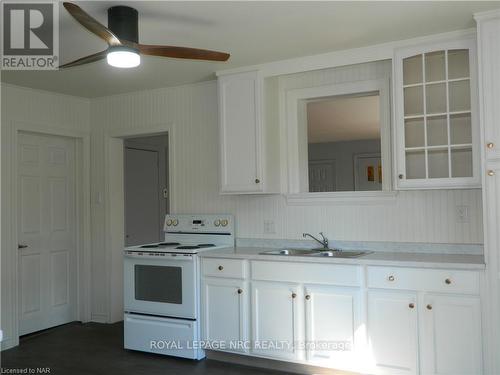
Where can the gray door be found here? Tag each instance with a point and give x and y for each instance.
(142, 196)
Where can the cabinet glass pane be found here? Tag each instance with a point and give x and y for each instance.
(414, 132)
(435, 98)
(458, 63)
(459, 94)
(460, 129)
(412, 70)
(435, 66)
(415, 164)
(437, 131)
(414, 104)
(461, 162)
(438, 163)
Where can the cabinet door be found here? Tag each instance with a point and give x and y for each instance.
(240, 132)
(275, 319)
(392, 332)
(451, 335)
(332, 320)
(489, 84)
(436, 122)
(225, 317)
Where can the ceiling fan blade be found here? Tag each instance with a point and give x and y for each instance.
(92, 24)
(86, 60)
(182, 52)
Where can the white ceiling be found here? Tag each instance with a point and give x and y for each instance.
(343, 119)
(253, 32)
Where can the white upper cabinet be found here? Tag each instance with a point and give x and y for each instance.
(245, 167)
(435, 123)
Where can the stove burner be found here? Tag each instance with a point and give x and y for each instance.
(169, 244)
(206, 245)
(149, 246)
(187, 247)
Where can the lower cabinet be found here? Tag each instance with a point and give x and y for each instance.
(224, 313)
(275, 319)
(395, 321)
(451, 335)
(393, 332)
(441, 335)
(332, 324)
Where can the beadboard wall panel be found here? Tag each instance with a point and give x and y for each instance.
(32, 107)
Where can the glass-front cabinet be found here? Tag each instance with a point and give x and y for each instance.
(436, 116)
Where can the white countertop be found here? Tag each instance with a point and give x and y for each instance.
(378, 258)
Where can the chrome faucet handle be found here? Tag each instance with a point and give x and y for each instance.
(325, 240)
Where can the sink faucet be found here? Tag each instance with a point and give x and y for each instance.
(323, 242)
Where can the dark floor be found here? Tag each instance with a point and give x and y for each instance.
(94, 349)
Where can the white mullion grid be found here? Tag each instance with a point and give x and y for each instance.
(424, 103)
(447, 111)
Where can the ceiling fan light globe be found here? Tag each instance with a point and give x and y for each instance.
(123, 58)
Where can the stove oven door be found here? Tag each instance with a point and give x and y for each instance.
(163, 285)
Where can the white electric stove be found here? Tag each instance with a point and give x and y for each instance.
(162, 285)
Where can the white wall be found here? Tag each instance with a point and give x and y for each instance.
(30, 107)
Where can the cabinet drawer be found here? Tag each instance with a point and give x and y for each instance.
(334, 274)
(232, 268)
(451, 281)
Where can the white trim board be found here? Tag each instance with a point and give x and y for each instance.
(382, 51)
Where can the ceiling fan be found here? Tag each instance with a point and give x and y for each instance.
(122, 36)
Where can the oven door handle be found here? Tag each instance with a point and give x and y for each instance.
(169, 257)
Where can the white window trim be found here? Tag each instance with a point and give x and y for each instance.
(296, 144)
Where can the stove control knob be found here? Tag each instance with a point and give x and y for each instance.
(224, 223)
(175, 222)
(217, 223)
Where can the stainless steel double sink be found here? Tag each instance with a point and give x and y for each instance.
(333, 253)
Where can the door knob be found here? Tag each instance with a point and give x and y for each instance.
(294, 295)
(220, 268)
(240, 291)
(490, 145)
(20, 246)
(411, 305)
(308, 297)
(491, 172)
(429, 307)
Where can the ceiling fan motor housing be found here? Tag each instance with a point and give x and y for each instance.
(123, 21)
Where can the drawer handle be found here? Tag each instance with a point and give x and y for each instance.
(429, 307)
(391, 278)
(308, 297)
(448, 281)
(220, 268)
(294, 295)
(240, 291)
(411, 305)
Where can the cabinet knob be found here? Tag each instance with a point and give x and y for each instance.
(257, 181)
(240, 291)
(448, 281)
(491, 172)
(294, 295)
(429, 307)
(391, 278)
(401, 176)
(411, 305)
(220, 268)
(308, 297)
(490, 145)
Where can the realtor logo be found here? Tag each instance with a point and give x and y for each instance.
(30, 35)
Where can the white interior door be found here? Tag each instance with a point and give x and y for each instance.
(46, 232)
(322, 176)
(142, 196)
